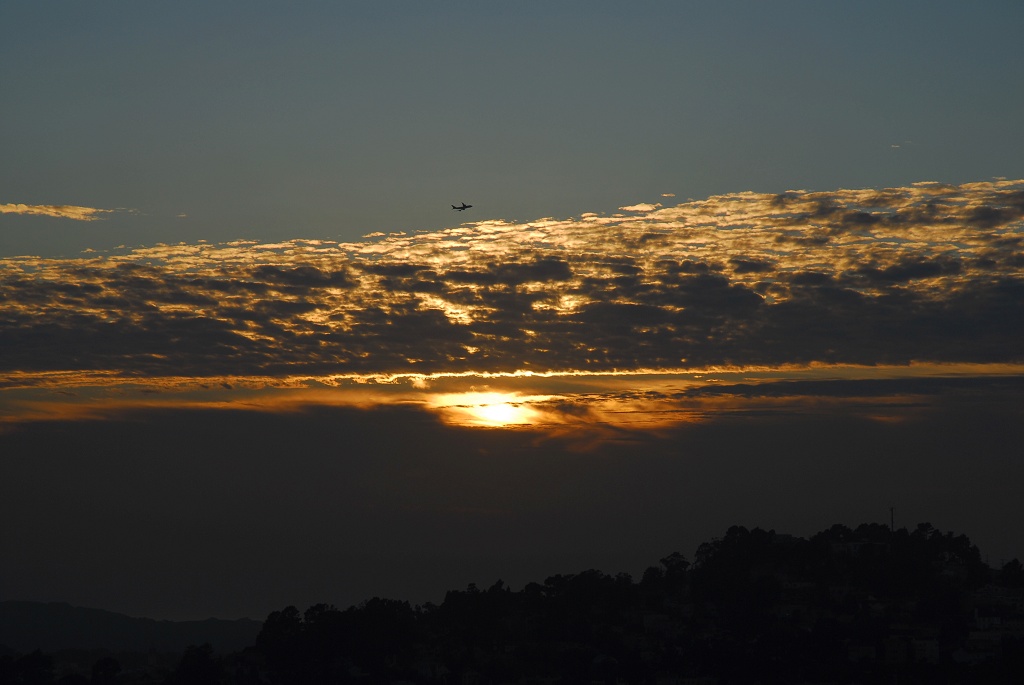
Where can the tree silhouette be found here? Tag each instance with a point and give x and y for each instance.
(198, 667)
(1012, 573)
(864, 604)
(106, 671)
(35, 668)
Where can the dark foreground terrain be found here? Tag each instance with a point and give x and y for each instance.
(864, 605)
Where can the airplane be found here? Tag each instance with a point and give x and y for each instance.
(463, 207)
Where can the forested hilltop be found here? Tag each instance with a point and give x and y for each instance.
(847, 605)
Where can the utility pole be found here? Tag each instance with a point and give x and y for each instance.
(892, 521)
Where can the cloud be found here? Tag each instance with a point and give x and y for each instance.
(642, 207)
(927, 273)
(59, 211)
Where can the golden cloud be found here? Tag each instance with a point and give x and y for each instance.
(59, 211)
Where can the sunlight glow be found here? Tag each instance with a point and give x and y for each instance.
(487, 409)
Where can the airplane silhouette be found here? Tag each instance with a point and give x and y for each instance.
(463, 207)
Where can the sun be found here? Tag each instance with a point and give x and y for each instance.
(501, 414)
(485, 409)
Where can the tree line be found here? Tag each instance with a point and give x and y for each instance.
(865, 604)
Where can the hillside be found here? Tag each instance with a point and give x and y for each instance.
(27, 626)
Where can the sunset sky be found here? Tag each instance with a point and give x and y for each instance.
(727, 263)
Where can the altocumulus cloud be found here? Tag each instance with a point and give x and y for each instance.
(58, 211)
(924, 273)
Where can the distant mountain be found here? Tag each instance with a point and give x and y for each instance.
(27, 626)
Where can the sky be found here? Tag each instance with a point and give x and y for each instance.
(726, 263)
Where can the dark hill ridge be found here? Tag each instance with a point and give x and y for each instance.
(27, 626)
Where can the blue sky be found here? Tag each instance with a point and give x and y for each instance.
(323, 119)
